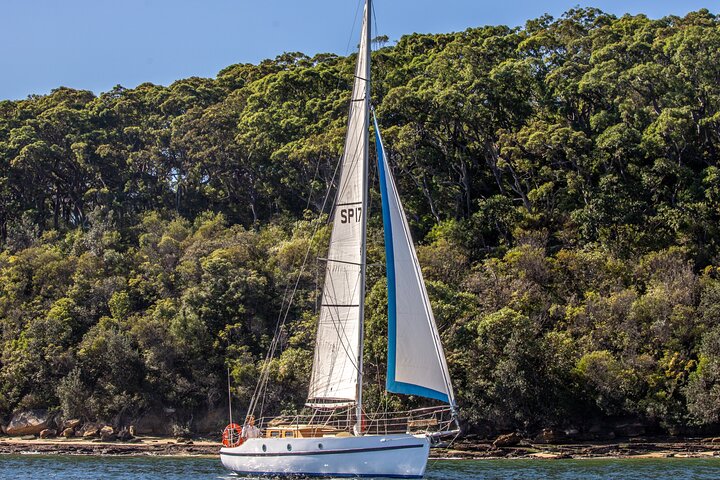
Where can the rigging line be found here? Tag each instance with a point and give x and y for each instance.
(374, 25)
(269, 355)
(350, 37)
(265, 378)
(275, 339)
(352, 30)
(265, 372)
(230, 397)
(448, 448)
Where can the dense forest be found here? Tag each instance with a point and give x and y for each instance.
(563, 187)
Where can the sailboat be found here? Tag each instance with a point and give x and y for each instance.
(339, 438)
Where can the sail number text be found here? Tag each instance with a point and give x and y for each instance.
(348, 215)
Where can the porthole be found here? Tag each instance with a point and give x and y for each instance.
(264, 448)
(289, 447)
(320, 446)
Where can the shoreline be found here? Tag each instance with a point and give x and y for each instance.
(172, 447)
(625, 449)
(140, 446)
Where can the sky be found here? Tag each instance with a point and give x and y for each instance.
(97, 44)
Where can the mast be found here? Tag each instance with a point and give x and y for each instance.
(366, 162)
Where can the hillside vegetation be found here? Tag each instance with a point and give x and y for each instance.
(562, 182)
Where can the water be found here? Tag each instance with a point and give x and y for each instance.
(37, 467)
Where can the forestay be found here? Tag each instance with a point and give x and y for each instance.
(416, 361)
(336, 367)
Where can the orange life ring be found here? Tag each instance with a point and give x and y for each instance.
(232, 436)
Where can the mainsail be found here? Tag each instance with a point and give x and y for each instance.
(337, 365)
(416, 361)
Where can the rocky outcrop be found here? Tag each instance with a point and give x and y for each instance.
(72, 423)
(107, 434)
(507, 440)
(90, 430)
(29, 422)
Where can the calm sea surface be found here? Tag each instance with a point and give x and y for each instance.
(86, 468)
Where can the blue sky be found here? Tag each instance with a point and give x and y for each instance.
(96, 44)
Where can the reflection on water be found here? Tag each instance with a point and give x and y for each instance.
(165, 468)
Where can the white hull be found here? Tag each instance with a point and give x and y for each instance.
(398, 456)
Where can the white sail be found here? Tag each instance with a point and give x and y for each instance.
(337, 368)
(416, 361)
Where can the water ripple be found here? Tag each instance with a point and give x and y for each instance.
(45, 467)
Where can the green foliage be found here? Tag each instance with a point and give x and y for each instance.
(561, 182)
(704, 387)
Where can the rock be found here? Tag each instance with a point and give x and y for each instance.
(550, 435)
(107, 434)
(507, 440)
(29, 422)
(68, 432)
(72, 423)
(48, 433)
(27, 437)
(124, 435)
(89, 430)
(131, 430)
